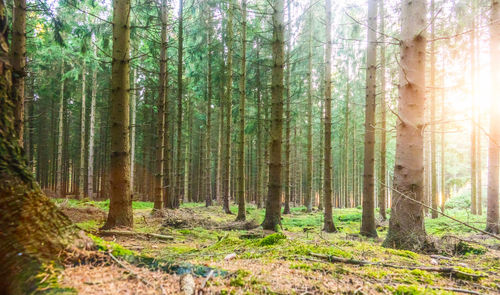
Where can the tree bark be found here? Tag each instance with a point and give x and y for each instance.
(368, 217)
(60, 136)
(241, 148)
(494, 140)
(90, 161)
(33, 230)
(228, 112)
(328, 225)
(18, 61)
(178, 182)
(288, 116)
(382, 191)
(406, 225)
(308, 196)
(81, 175)
(120, 206)
(434, 191)
(208, 148)
(273, 203)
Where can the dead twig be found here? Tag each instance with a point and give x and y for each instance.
(446, 270)
(134, 234)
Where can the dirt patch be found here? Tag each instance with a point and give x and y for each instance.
(84, 214)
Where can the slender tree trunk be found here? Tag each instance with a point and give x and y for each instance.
(434, 184)
(260, 156)
(273, 203)
(443, 146)
(308, 196)
(208, 148)
(382, 191)
(133, 111)
(18, 62)
(80, 189)
(60, 136)
(178, 181)
(473, 151)
(328, 221)
(493, 150)
(286, 209)
(406, 225)
(90, 161)
(160, 152)
(241, 148)
(368, 218)
(228, 111)
(120, 206)
(220, 142)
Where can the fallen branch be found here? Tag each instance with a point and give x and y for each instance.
(445, 270)
(134, 234)
(455, 290)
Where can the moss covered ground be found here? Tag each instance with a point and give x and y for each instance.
(253, 261)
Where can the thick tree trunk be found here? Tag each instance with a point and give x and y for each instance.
(33, 230)
(18, 61)
(328, 221)
(382, 190)
(120, 206)
(241, 136)
(494, 140)
(273, 203)
(406, 225)
(368, 218)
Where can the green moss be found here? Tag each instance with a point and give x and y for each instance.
(239, 280)
(463, 248)
(116, 249)
(403, 253)
(272, 239)
(415, 290)
(303, 266)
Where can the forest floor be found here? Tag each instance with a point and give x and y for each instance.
(227, 257)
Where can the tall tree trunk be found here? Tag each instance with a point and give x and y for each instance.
(162, 80)
(90, 161)
(60, 136)
(33, 230)
(178, 181)
(494, 140)
(80, 189)
(18, 62)
(273, 203)
(308, 196)
(443, 146)
(328, 221)
(406, 225)
(120, 206)
(220, 143)
(241, 135)
(288, 116)
(382, 148)
(473, 151)
(260, 156)
(208, 147)
(434, 184)
(228, 111)
(368, 218)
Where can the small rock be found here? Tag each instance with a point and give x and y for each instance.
(230, 256)
(434, 262)
(187, 284)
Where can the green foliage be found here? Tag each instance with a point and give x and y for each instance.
(115, 248)
(272, 239)
(463, 248)
(239, 280)
(415, 290)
